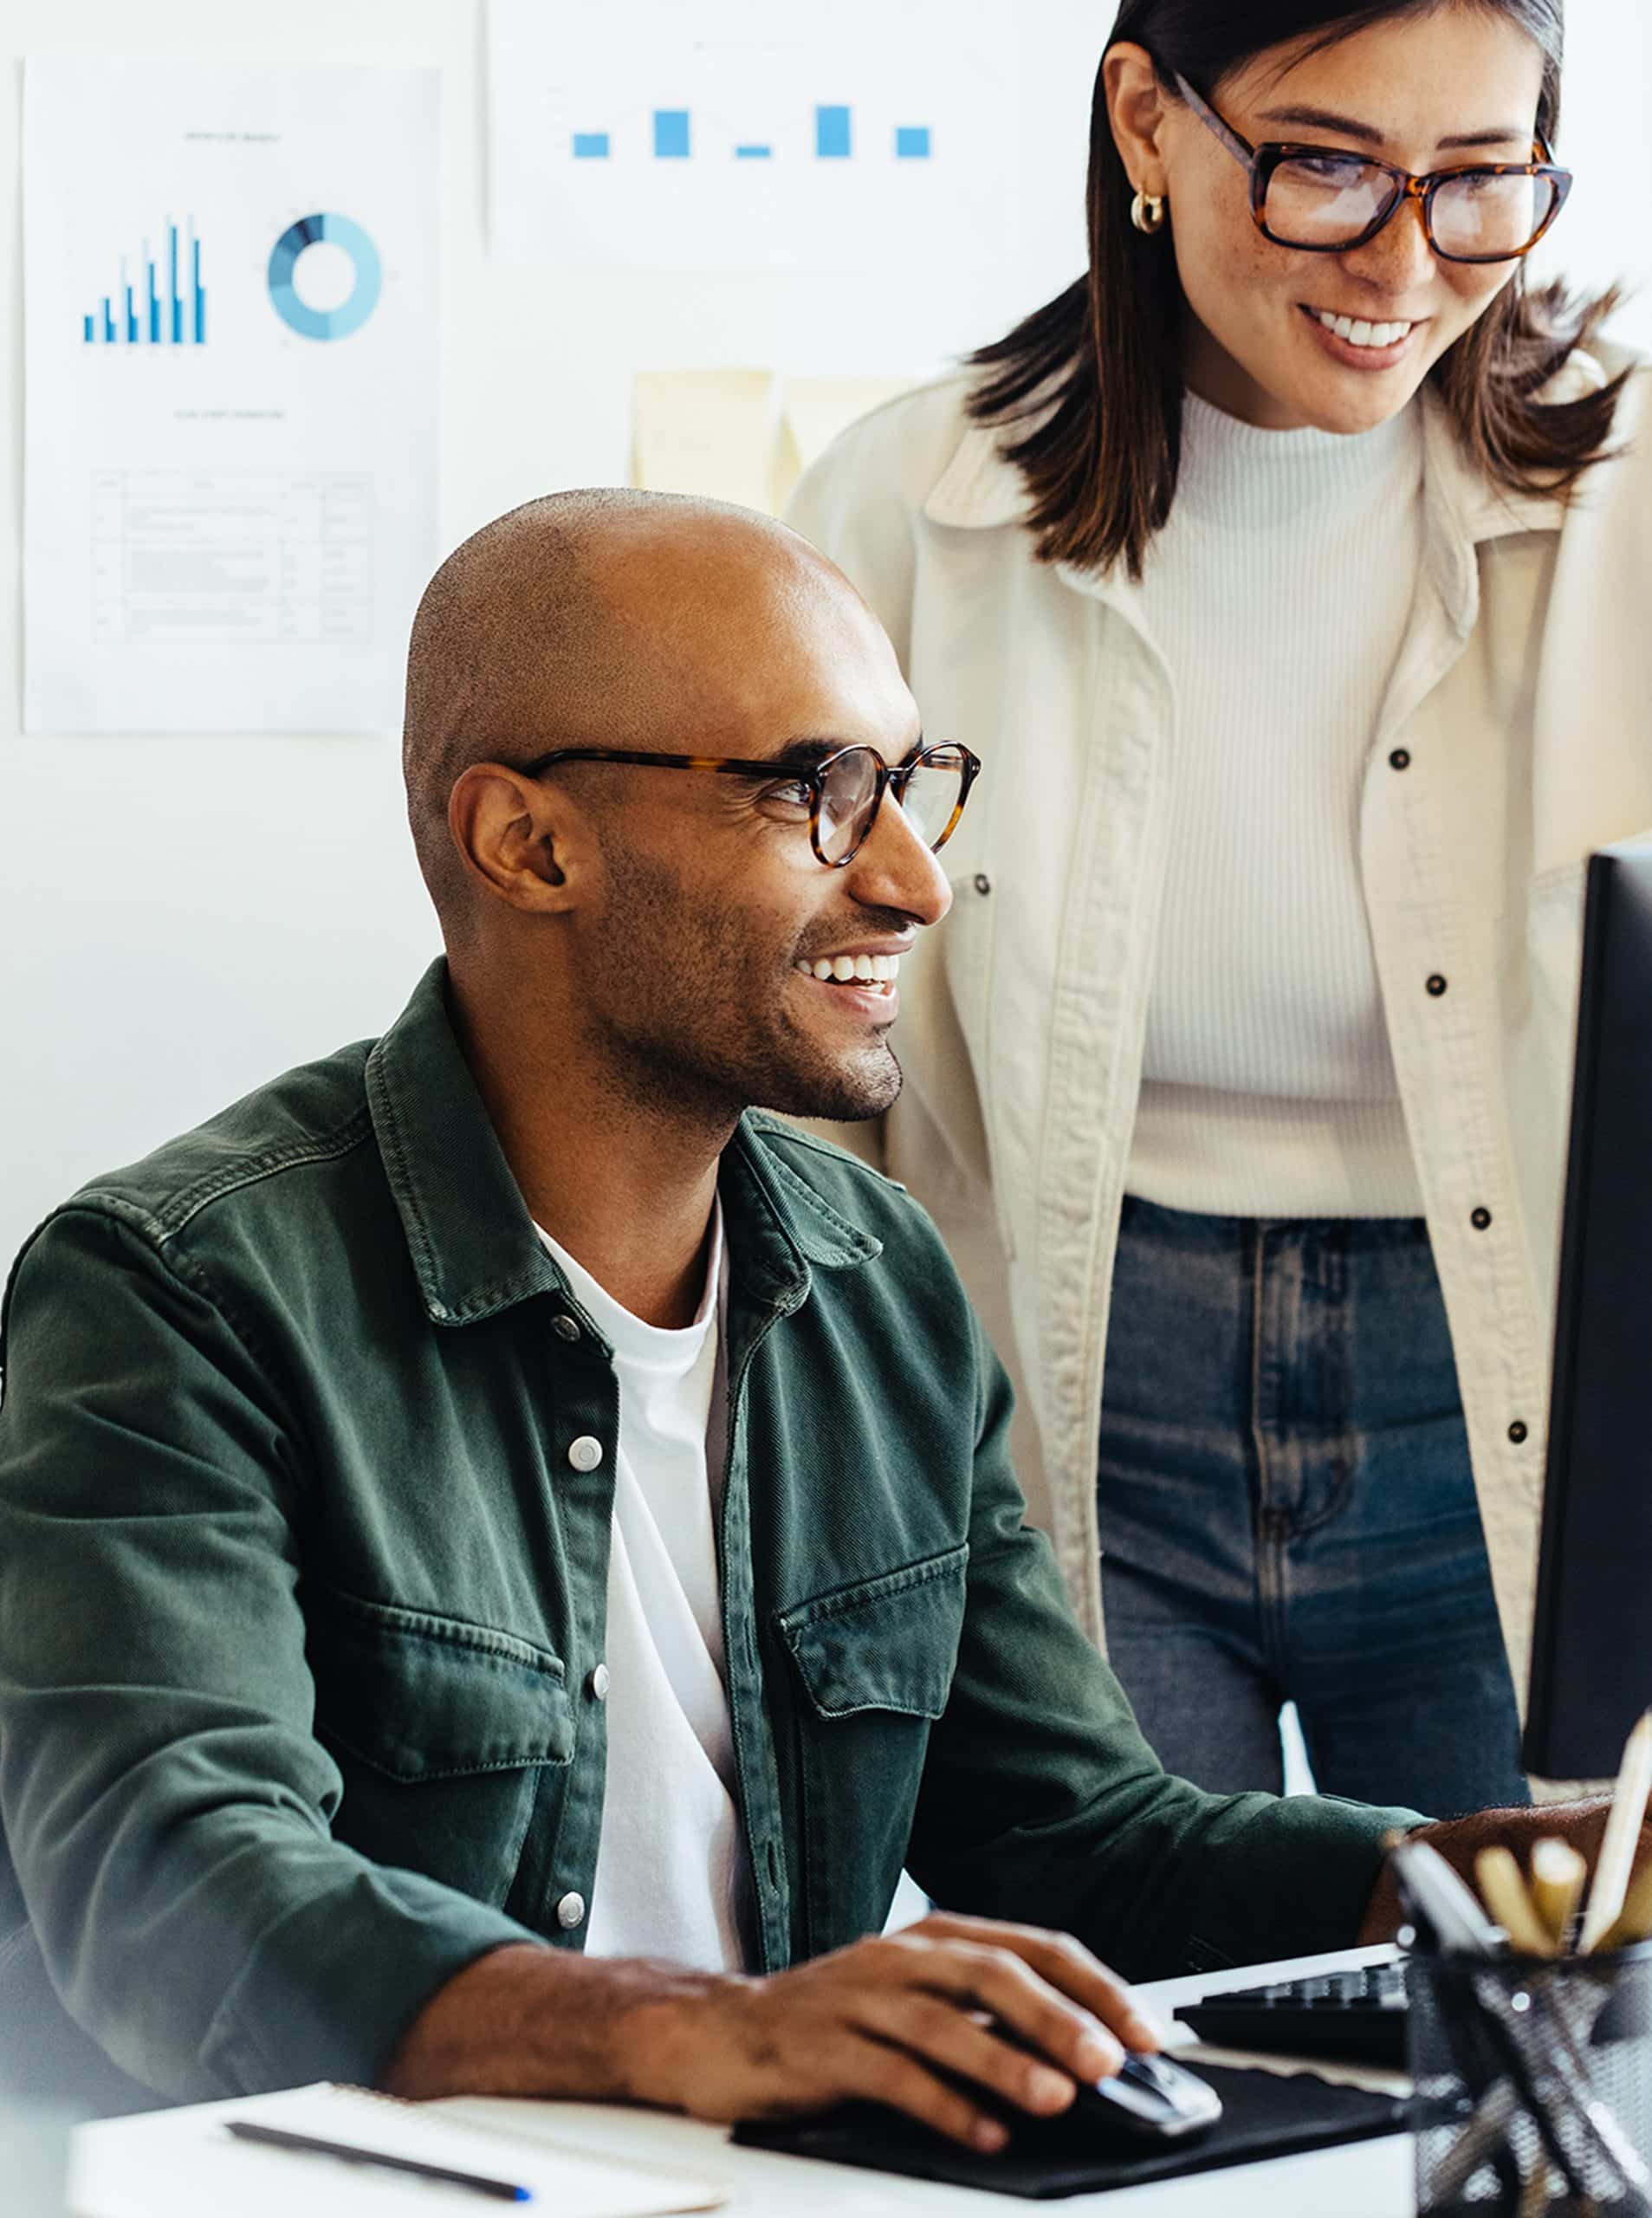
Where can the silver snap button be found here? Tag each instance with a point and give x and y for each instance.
(565, 1328)
(585, 1453)
(570, 1912)
(598, 1683)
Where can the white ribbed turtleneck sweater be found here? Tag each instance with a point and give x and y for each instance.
(1278, 593)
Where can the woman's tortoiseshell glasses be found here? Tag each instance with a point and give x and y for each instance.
(1325, 200)
(843, 791)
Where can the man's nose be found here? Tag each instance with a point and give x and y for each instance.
(896, 868)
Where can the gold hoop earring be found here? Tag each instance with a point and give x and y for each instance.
(1147, 212)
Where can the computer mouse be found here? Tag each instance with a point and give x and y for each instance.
(1147, 2099)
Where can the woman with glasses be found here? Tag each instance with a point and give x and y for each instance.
(1289, 575)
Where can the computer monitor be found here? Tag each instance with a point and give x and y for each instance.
(1592, 1655)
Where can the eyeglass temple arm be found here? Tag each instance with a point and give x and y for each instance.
(1240, 149)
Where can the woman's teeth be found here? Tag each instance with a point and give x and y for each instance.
(1361, 333)
(858, 969)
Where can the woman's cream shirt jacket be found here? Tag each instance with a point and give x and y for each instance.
(1516, 736)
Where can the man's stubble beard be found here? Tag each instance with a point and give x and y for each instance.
(667, 1058)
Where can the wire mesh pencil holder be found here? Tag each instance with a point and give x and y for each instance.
(1533, 2081)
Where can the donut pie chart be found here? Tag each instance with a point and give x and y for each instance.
(351, 314)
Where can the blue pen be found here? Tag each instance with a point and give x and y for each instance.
(312, 2144)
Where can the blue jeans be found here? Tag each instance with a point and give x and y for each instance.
(1287, 1513)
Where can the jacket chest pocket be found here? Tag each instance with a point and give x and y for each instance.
(876, 1661)
(443, 1733)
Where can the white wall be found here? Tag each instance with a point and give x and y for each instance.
(181, 918)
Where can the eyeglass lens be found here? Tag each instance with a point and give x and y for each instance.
(1333, 201)
(849, 795)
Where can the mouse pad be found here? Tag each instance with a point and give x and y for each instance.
(1264, 2114)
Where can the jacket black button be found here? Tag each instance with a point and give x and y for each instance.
(1517, 1432)
(983, 884)
(565, 1328)
(1400, 759)
(1436, 985)
(1479, 1219)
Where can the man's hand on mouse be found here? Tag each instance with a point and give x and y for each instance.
(915, 2018)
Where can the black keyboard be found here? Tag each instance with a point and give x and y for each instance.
(1358, 2017)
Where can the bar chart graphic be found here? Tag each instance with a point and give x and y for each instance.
(673, 138)
(159, 298)
(724, 134)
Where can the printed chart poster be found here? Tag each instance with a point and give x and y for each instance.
(229, 503)
(731, 134)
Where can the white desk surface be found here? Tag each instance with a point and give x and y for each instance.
(115, 2162)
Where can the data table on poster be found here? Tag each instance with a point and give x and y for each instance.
(207, 557)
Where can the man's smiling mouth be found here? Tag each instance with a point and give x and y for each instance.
(880, 970)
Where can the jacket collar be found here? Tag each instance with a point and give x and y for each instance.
(472, 1242)
(1463, 510)
(979, 490)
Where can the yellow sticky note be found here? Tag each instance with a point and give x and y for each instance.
(817, 408)
(714, 432)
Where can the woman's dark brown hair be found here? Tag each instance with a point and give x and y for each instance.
(1086, 392)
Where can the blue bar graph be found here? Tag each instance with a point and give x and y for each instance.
(138, 312)
(832, 134)
(835, 138)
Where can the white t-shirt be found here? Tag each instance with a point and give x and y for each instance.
(672, 1876)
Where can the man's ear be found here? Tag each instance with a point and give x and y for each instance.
(526, 839)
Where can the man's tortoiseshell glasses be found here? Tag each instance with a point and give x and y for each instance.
(843, 792)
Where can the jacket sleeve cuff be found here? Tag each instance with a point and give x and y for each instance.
(329, 1991)
(1299, 1885)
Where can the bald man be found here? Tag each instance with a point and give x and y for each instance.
(504, 1552)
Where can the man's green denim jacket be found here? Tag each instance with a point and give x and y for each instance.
(301, 1596)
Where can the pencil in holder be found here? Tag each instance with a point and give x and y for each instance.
(1534, 2084)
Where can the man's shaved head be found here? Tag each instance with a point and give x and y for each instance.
(595, 618)
(656, 929)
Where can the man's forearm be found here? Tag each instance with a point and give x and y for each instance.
(529, 2020)
(1460, 1839)
(895, 2019)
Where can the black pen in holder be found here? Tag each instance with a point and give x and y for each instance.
(1533, 2083)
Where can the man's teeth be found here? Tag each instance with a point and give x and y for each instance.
(1361, 333)
(862, 970)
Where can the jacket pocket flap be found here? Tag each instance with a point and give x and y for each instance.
(888, 1643)
(421, 1696)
